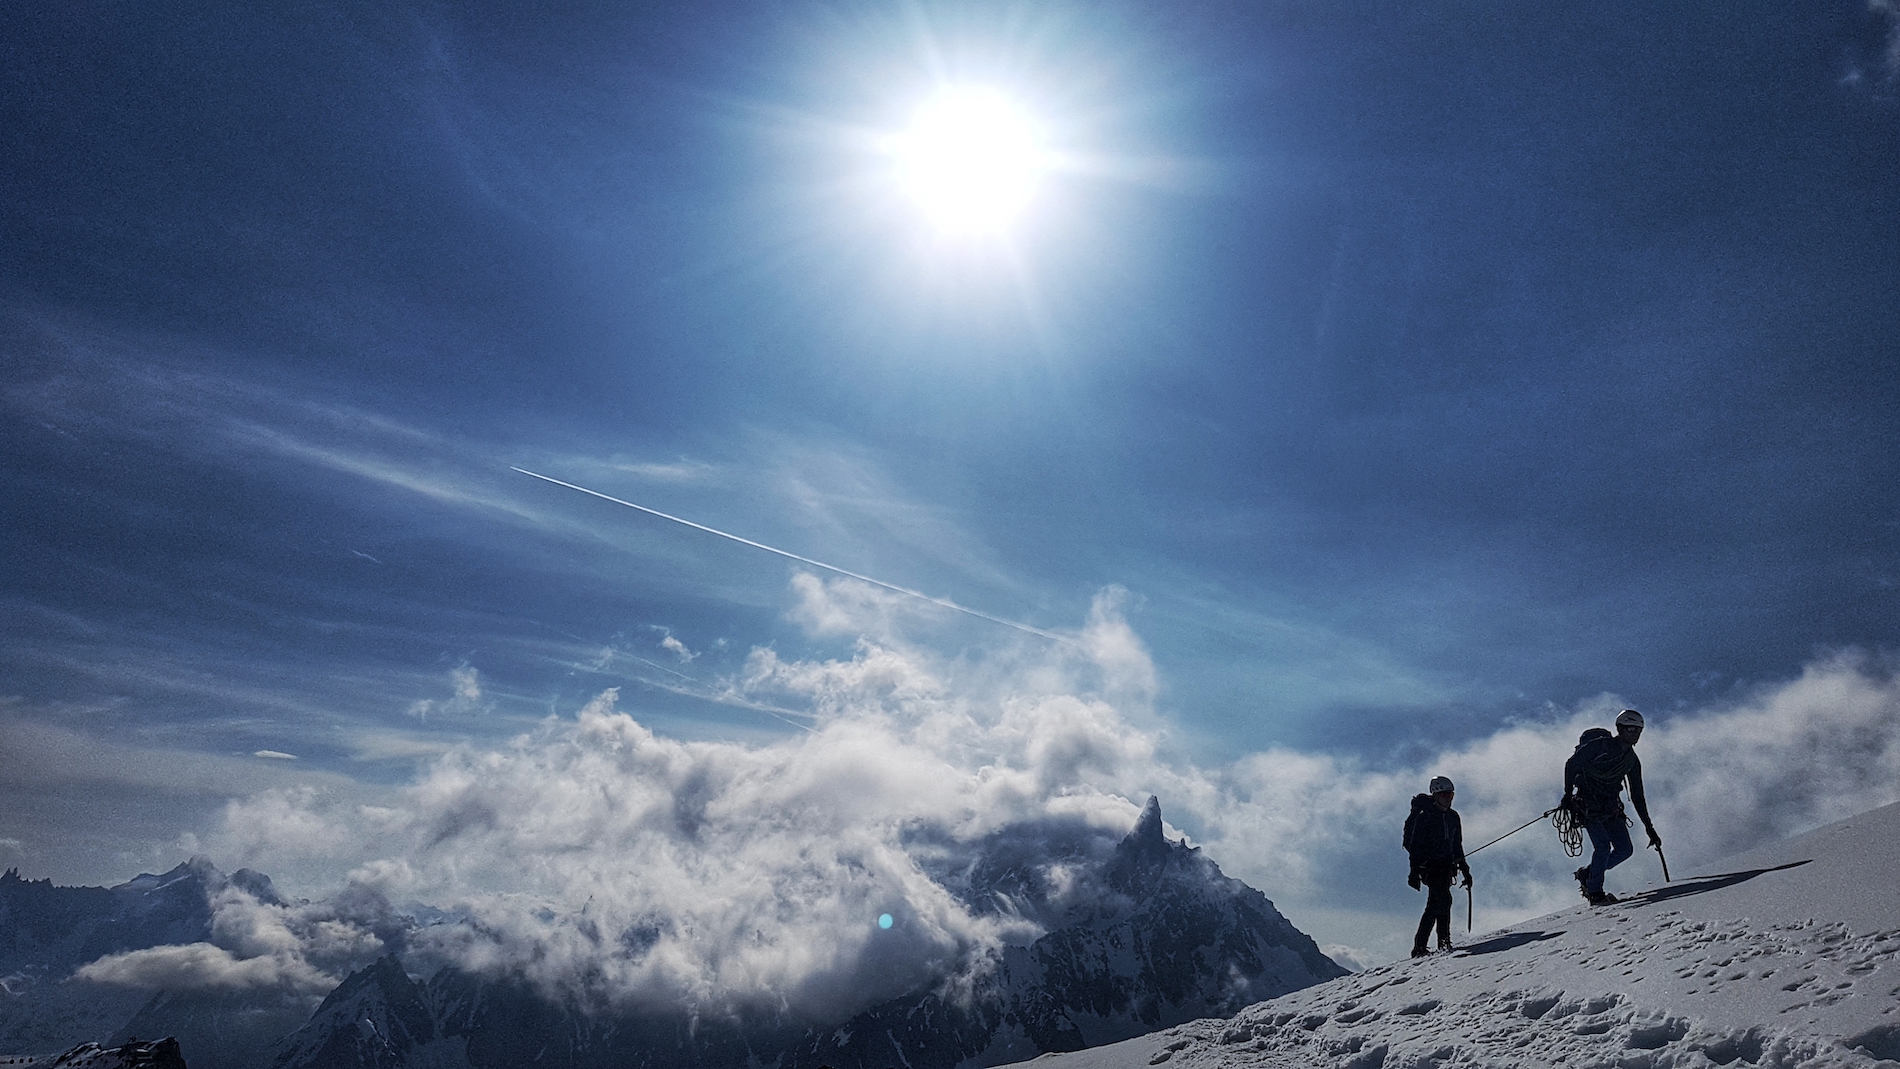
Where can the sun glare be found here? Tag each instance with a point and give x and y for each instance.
(971, 160)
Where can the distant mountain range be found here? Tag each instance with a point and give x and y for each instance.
(48, 932)
(1143, 933)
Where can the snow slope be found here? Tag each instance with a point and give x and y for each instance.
(1785, 956)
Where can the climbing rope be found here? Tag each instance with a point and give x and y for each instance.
(1563, 818)
(1512, 832)
(1569, 831)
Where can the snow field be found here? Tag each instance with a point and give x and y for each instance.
(1444, 1011)
(1787, 957)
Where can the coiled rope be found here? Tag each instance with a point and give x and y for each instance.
(1569, 831)
(1563, 818)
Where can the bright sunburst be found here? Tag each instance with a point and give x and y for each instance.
(971, 160)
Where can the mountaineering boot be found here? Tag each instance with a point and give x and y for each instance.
(1602, 898)
(1419, 951)
(1583, 879)
(1445, 947)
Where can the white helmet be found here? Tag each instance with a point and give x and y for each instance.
(1629, 718)
(1441, 784)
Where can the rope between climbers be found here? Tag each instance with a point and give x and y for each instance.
(1563, 818)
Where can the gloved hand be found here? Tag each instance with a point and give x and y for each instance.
(1412, 879)
(1654, 839)
(1467, 871)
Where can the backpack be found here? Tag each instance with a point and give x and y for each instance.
(1590, 736)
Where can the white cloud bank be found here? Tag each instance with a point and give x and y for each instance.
(298, 950)
(594, 855)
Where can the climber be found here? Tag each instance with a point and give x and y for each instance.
(1593, 792)
(1435, 840)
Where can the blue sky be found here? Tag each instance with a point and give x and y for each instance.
(1396, 374)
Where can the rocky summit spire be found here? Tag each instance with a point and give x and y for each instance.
(1145, 849)
(1147, 834)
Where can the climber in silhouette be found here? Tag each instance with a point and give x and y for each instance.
(1593, 792)
(1435, 840)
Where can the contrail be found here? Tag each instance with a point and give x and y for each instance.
(804, 560)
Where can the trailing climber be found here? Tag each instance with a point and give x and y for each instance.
(1435, 839)
(1593, 792)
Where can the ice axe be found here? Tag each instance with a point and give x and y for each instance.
(1664, 858)
(1467, 908)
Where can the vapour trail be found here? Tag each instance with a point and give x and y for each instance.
(806, 560)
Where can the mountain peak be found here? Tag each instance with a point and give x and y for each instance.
(257, 885)
(1146, 849)
(1147, 831)
(198, 869)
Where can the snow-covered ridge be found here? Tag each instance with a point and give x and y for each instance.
(1782, 957)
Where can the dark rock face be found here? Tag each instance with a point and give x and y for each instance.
(163, 1054)
(218, 1029)
(376, 1019)
(46, 932)
(1143, 933)
(380, 1018)
(53, 928)
(1172, 941)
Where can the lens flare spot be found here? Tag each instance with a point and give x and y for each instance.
(885, 921)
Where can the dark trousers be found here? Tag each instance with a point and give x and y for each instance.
(1610, 840)
(1436, 876)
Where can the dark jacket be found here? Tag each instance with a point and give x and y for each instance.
(1434, 834)
(1595, 775)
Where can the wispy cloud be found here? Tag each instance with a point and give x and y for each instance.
(679, 471)
(1888, 13)
(45, 756)
(447, 488)
(111, 391)
(229, 684)
(943, 603)
(1873, 61)
(466, 697)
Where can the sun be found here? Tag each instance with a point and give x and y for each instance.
(971, 160)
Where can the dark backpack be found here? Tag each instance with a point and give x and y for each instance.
(1591, 736)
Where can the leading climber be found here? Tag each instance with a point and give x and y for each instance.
(1435, 840)
(1593, 792)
